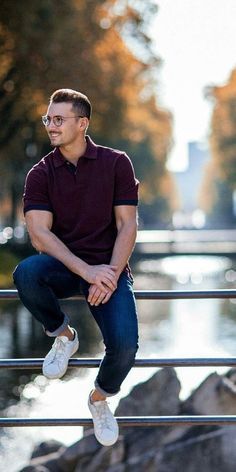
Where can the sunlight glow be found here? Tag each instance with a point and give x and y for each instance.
(196, 41)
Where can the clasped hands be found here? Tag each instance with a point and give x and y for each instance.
(103, 282)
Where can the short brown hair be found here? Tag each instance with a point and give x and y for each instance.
(79, 101)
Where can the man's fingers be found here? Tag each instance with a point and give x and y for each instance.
(102, 287)
(109, 274)
(92, 290)
(96, 296)
(107, 281)
(110, 283)
(113, 267)
(107, 297)
(95, 292)
(99, 294)
(99, 299)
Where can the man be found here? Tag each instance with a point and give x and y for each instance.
(80, 210)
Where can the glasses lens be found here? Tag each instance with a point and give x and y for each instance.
(46, 120)
(57, 120)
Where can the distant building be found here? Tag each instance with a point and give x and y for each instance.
(188, 184)
(189, 181)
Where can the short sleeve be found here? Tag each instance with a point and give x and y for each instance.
(35, 195)
(126, 185)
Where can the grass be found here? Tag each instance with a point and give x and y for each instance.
(8, 262)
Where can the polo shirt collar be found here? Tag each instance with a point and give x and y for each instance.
(91, 152)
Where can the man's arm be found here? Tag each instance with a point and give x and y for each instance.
(39, 226)
(126, 222)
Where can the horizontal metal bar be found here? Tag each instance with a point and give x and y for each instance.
(180, 294)
(95, 362)
(150, 294)
(129, 421)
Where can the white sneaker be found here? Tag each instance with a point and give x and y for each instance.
(56, 361)
(105, 425)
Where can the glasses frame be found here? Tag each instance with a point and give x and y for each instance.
(46, 120)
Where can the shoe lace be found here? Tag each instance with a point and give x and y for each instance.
(102, 417)
(58, 348)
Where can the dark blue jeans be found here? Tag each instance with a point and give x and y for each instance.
(41, 280)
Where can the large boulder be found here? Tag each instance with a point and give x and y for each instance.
(159, 395)
(46, 447)
(162, 449)
(215, 396)
(214, 451)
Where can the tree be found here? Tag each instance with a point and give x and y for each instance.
(221, 175)
(91, 46)
(223, 129)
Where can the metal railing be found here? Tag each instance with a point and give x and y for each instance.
(151, 294)
(137, 421)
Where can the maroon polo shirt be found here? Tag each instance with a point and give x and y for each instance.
(82, 198)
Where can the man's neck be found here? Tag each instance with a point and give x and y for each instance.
(74, 151)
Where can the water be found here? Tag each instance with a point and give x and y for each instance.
(171, 328)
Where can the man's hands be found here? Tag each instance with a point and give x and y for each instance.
(103, 276)
(103, 280)
(97, 296)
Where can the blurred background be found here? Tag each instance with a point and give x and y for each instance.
(161, 76)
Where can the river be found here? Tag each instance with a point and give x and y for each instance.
(168, 328)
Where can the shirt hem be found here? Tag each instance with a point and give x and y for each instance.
(37, 207)
(126, 202)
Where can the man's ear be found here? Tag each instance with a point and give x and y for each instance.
(84, 123)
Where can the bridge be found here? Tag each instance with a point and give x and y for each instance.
(186, 242)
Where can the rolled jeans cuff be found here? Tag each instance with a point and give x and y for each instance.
(103, 392)
(59, 330)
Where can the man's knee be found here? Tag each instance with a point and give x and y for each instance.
(129, 353)
(25, 272)
(124, 352)
(19, 273)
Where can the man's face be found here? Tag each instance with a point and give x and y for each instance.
(68, 132)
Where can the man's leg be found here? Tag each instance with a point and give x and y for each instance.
(117, 320)
(40, 281)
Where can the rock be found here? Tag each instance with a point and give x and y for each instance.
(215, 396)
(46, 447)
(39, 468)
(50, 462)
(66, 459)
(211, 452)
(159, 395)
(86, 446)
(162, 449)
(106, 458)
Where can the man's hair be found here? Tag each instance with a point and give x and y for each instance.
(80, 103)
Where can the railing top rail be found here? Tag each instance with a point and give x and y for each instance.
(150, 294)
(130, 421)
(95, 362)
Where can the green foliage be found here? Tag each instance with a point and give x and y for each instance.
(7, 265)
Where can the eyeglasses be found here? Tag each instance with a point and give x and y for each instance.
(57, 120)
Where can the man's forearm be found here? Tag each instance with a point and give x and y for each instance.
(122, 250)
(124, 245)
(47, 242)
